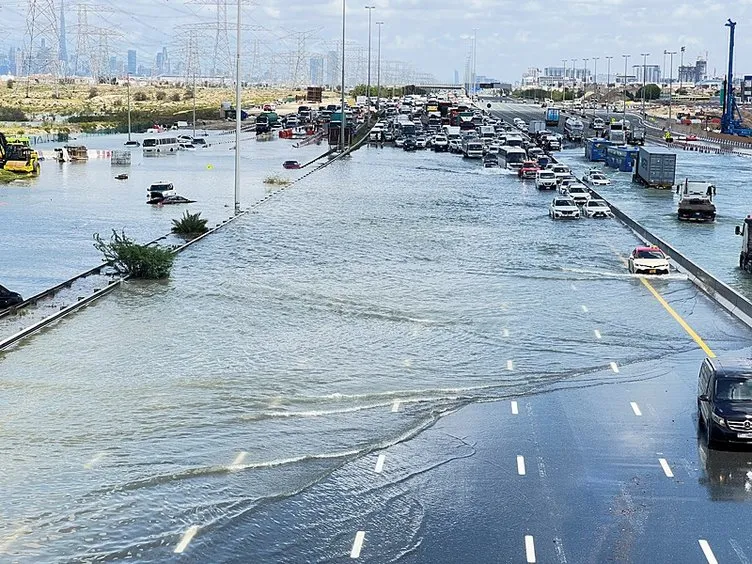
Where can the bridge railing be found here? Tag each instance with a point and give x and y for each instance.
(739, 306)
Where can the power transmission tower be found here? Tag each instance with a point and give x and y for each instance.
(42, 33)
(222, 59)
(92, 42)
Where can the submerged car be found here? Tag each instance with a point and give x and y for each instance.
(578, 193)
(291, 165)
(596, 178)
(545, 180)
(648, 260)
(597, 208)
(563, 207)
(9, 298)
(528, 170)
(724, 400)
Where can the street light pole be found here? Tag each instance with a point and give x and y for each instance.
(564, 83)
(584, 80)
(378, 70)
(626, 59)
(342, 88)
(681, 64)
(670, 83)
(368, 84)
(644, 73)
(608, 84)
(238, 112)
(475, 44)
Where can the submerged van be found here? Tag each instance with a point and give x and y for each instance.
(724, 400)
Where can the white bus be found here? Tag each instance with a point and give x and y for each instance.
(154, 146)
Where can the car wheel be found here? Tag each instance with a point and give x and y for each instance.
(630, 267)
(710, 440)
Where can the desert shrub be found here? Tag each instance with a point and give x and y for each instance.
(130, 258)
(190, 224)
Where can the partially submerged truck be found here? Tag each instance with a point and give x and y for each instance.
(745, 256)
(655, 167)
(696, 201)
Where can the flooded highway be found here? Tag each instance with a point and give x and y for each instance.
(399, 359)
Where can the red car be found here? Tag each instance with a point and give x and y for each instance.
(291, 165)
(528, 170)
(691, 138)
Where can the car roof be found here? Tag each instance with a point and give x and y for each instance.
(647, 248)
(731, 366)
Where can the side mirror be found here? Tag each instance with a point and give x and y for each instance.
(738, 230)
(704, 397)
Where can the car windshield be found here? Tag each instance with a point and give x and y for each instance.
(650, 254)
(734, 389)
(564, 203)
(595, 204)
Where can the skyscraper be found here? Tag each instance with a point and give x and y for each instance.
(132, 61)
(456, 76)
(317, 70)
(332, 69)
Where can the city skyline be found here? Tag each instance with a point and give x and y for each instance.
(510, 37)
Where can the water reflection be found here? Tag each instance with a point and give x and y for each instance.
(726, 473)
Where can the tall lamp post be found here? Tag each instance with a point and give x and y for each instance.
(368, 83)
(681, 64)
(342, 88)
(608, 83)
(378, 69)
(564, 80)
(670, 83)
(574, 77)
(238, 112)
(626, 60)
(644, 73)
(595, 83)
(584, 81)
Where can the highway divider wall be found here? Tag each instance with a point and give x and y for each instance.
(731, 300)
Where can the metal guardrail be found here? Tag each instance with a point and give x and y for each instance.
(731, 300)
(114, 283)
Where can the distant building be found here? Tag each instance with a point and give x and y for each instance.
(652, 73)
(747, 89)
(132, 68)
(332, 68)
(456, 76)
(693, 74)
(317, 70)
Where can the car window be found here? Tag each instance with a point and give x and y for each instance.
(650, 254)
(734, 389)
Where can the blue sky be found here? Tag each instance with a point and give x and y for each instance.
(435, 35)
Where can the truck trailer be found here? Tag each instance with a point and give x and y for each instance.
(655, 167)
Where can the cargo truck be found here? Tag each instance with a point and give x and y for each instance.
(552, 117)
(265, 121)
(745, 256)
(655, 167)
(536, 126)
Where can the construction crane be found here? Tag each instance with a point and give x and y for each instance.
(731, 121)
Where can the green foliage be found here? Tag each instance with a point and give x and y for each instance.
(190, 224)
(140, 97)
(188, 95)
(9, 84)
(652, 92)
(138, 261)
(93, 93)
(681, 92)
(12, 114)
(160, 95)
(276, 180)
(175, 97)
(362, 90)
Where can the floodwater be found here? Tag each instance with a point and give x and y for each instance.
(345, 314)
(713, 246)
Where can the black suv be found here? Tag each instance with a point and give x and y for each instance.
(724, 400)
(8, 298)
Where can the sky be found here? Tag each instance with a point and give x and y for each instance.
(436, 35)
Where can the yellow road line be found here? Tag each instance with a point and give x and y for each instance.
(691, 332)
(679, 319)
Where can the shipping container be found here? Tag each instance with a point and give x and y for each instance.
(621, 158)
(595, 149)
(656, 167)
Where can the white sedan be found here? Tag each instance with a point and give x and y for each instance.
(597, 208)
(648, 260)
(563, 207)
(596, 178)
(579, 194)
